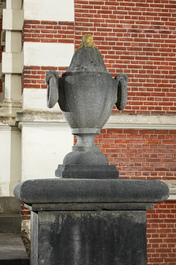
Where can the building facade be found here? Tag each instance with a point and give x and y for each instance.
(135, 37)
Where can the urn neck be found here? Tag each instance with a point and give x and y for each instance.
(85, 139)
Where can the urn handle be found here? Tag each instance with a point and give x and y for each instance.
(52, 81)
(122, 82)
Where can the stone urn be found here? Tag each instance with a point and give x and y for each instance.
(86, 94)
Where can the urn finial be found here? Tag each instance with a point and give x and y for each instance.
(87, 41)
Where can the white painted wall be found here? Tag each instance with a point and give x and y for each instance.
(43, 148)
(36, 100)
(47, 54)
(52, 10)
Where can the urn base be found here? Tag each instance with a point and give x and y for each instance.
(87, 171)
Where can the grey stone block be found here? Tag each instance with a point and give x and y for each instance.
(10, 219)
(12, 251)
(9, 205)
(10, 223)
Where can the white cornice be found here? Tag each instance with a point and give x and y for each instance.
(157, 122)
(172, 189)
(116, 121)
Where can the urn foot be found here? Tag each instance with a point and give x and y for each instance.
(87, 171)
(86, 161)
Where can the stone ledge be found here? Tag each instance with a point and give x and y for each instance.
(56, 190)
(40, 116)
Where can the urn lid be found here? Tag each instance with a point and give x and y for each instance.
(87, 58)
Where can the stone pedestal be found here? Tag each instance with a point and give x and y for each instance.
(95, 237)
(89, 222)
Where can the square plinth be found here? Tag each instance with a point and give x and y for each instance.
(89, 238)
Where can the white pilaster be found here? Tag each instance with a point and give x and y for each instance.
(13, 4)
(12, 60)
(13, 41)
(10, 136)
(10, 159)
(12, 86)
(12, 19)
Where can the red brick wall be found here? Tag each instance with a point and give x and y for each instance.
(161, 234)
(138, 38)
(25, 212)
(140, 153)
(148, 154)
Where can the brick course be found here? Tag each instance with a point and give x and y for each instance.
(48, 31)
(25, 212)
